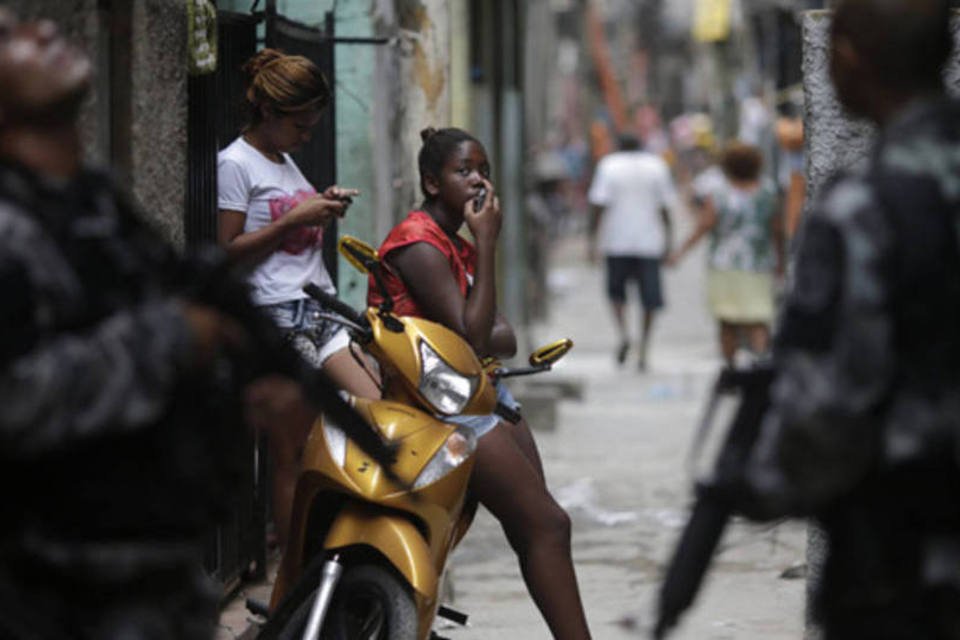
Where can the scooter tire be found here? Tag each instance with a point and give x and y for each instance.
(370, 603)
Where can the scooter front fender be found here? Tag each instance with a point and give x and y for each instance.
(394, 536)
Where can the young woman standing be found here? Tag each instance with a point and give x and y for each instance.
(272, 220)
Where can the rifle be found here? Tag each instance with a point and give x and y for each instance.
(718, 492)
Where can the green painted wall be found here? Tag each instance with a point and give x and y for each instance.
(460, 103)
(353, 91)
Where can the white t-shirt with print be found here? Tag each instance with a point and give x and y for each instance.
(249, 182)
(632, 186)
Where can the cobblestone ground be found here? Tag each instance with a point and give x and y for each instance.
(615, 460)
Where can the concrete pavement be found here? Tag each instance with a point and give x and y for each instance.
(615, 460)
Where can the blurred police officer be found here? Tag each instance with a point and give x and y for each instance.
(115, 446)
(865, 432)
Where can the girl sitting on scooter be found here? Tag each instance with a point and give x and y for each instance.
(434, 273)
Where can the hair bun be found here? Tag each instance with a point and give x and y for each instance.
(426, 134)
(259, 60)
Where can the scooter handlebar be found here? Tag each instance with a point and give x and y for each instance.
(334, 303)
(521, 371)
(507, 413)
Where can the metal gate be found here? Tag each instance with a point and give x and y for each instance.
(214, 120)
(237, 549)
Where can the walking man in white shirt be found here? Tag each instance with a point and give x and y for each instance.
(632, 197)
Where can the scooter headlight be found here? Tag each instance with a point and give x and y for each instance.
(445, 388)
(456, 450)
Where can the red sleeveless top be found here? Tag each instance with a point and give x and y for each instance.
(420, 227)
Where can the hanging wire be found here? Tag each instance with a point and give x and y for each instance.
(253, 7)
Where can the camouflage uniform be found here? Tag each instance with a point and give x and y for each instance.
(113, 461)
(865, 429)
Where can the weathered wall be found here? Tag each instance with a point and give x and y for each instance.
(834, 140)
(542, 82)
(418, 75)
(158, 126)
(461, 106)
(356, 66)
(136, 116)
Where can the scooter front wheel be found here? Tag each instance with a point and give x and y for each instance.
(370, 603)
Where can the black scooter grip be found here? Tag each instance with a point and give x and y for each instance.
(334, 303)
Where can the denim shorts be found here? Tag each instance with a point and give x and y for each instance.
(484, 424)
(314, 337)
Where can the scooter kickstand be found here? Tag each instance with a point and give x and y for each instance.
(451, 614)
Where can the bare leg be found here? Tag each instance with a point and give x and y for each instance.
(538, 529)
(275, 407)
(728, 341)
(619, 312)
(524, 438)
(645, 331)
(286, 447)
(758, 336)
(347, 374)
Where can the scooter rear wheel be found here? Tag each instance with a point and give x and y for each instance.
(370, 603)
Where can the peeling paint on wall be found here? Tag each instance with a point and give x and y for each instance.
(412, 16)
(431, 78)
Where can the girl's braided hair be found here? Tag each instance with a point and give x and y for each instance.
(284, 84)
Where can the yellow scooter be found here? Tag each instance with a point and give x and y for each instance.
(368, 544)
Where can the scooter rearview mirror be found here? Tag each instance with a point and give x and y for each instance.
(365, 259)
(358, 253)
(547, 355)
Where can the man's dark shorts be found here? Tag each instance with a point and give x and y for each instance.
(645, 271)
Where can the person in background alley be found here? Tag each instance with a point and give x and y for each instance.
(741, 214)
(272, 221)
(755, 119)
(434, 273)
(116, 438)
(864, 428)
(793, 183)
(707, 175)
(632, 197)
(546, 211)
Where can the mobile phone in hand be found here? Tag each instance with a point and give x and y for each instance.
(479, 199)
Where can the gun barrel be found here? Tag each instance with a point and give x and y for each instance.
(690, 561)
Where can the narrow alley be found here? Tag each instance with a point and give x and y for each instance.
(616, 462)
(272, 269)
